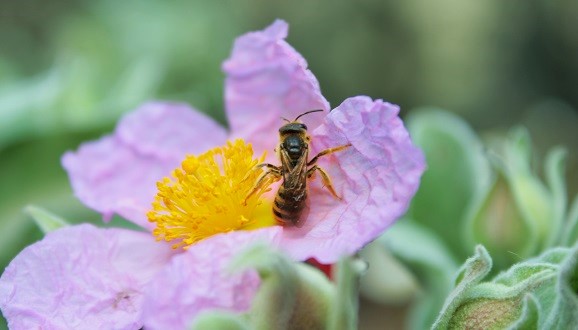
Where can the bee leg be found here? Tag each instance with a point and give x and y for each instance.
(263, 179)
(327, 152)
(270, 167)
(325, 178)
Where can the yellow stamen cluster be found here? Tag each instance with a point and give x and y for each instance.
(208, 195)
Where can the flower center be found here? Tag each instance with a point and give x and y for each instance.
(207, 195)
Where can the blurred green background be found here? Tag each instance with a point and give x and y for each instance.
(69, 69)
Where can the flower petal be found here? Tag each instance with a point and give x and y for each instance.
(376, 177)
(118, 173)
(266, 80)
(199, 279)
(81, 277)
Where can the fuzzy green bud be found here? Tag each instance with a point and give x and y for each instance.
(291, 296)
(537, 293)
(515, 216)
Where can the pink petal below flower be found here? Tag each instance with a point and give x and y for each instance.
(200, 279)
(266, 80)
(376, 177)
(81, 277)
(118, 173)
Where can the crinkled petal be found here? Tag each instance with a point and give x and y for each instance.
(266, 80)
(81, 277)
(376, 177)
(118, 173)
(200, 279)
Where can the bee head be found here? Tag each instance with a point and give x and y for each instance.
(293, 128)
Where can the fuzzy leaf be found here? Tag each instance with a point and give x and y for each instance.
(470, 274)
(538, 293)
(564, 312)
(529, 315)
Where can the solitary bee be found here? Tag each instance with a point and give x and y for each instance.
(295, 170)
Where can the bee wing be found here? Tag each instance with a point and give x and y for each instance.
(294, 177)
(285, 163)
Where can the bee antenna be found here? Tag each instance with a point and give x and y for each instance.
(285, 119)
(303, 114)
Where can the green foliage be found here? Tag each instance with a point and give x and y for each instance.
(473, 193)
(107, 61)
(536, 293)
(474, 270)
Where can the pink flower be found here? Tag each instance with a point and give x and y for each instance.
(84, 277)
(266, 80)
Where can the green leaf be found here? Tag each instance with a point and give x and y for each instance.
(529, 315)
(45, 220)
(564, 312)
(540, 293)
(470, 274)
(457, 170)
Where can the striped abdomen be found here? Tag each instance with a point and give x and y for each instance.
(289, 204)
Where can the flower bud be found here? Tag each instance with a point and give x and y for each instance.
(538, 293)
(486, 314)
(513, 215)
(291, 296)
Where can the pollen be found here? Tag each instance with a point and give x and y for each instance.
(207, 195)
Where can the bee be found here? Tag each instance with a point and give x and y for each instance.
(295, 170)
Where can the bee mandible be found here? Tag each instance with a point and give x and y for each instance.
(295, 170)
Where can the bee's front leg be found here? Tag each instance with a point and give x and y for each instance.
(327, 152)
(325, 178)
(263, 179)
(270, 168)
